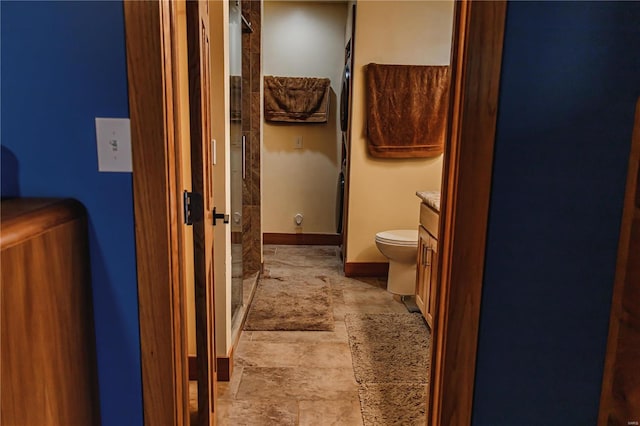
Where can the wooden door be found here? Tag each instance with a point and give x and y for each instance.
(156, 140)
(202, 203)
(620, 398)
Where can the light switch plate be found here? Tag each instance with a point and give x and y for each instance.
(113, 136)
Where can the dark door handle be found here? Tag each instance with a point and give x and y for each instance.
(216, 216)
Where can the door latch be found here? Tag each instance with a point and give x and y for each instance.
(191, 207)
(216, 216)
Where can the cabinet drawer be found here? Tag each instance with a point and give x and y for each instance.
(429, 219)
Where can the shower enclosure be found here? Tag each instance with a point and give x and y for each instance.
(237, 153)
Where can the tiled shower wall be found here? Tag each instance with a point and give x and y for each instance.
(251, 119)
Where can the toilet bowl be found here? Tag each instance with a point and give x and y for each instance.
(400, 246)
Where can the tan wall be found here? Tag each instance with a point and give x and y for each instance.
(382, 191)
(302, 39)
(219, 40)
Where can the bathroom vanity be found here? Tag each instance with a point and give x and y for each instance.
(427, 272)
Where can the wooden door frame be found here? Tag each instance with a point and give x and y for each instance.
(615, 394)
(151, 44)
(476, 59)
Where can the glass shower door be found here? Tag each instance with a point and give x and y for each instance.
(236, 152)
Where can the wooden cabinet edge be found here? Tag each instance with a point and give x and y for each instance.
(19, 223)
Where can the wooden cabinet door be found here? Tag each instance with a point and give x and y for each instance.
(433, 276)
(426, 275)
(422, 273)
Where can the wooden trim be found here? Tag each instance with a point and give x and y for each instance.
(475, 67)
(302, 239)
(224, 370)
(163, 341)
(366, 269)
(193, 367)
(620, 379)
(347, 172)
(225, 367)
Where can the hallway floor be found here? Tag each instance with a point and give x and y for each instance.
(302, 377)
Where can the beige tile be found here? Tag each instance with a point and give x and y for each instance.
(228, 390)
(339, 311)
(307, 251)
(246, 335)
(331, 263)
(257, 413)
(288, 271)
(330, 413)
(302, 377)
(296, 382)
(339, 334)
(268, 250)
(341, 282)
(337, 296)
(365, 297)
(293, 262)
(287, 354)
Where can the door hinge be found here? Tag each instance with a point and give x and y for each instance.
(224, 217)
(191, 207)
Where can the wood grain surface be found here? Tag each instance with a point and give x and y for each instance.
(48, 367)
(157, 208)
(468, 161)
(202, 184)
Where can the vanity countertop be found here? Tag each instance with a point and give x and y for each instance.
(430, 198)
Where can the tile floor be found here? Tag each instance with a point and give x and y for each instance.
(302, 377)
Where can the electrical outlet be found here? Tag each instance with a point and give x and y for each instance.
(298, 144)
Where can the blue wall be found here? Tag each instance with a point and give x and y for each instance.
(570, 80)
(63, 64)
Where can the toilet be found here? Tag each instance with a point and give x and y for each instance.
(400, 246)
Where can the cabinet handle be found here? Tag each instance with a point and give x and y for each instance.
(428, 261)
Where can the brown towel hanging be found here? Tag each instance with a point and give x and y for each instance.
(296, 99)
(406, 110)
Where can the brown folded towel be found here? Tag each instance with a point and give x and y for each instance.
(296, 99)
(406, 110)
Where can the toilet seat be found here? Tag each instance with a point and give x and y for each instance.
(399, 237)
